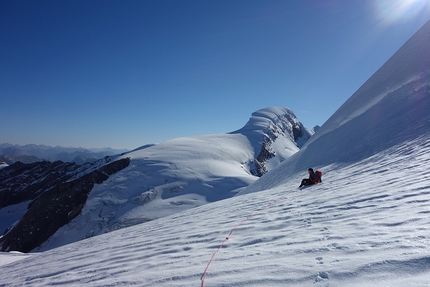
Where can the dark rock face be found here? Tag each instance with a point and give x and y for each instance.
(285, 125)
(56, 203)
(21, 182)
(297, 132)
(264, 128)
(265, 154)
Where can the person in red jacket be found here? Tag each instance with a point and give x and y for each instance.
(313, 178)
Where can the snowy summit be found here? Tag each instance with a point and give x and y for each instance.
(367, 224)
(150, 182)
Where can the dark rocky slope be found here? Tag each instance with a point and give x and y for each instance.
(56, 202)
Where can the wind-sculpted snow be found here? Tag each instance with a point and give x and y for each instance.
(275, 134)
(407, 71)
(391, 108)
(184, 173)
(367, 224)
(163, 179)
(274, 122)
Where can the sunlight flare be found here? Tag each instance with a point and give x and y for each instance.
(391, 11)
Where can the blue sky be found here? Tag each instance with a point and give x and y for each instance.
(127, 73)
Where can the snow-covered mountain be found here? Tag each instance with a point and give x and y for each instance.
(282, 135)
(157, 181)
(367, 224)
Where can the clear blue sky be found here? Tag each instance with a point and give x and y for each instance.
(127, 73)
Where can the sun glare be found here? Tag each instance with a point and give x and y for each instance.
(391, 11)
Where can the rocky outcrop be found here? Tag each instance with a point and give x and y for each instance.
(265, 154)
(270, 125)
(54, 207)
(22, 182)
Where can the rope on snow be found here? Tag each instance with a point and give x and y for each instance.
(231, 232)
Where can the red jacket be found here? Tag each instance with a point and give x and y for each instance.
(314, 178)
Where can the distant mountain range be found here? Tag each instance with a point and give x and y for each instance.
(31, 153)
(366, 224)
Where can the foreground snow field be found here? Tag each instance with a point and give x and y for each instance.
(367, 224)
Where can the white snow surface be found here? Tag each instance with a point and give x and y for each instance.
(367, 224)
(10, 215)
(174, 176)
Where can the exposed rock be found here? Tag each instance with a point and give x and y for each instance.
(21, 182)
(270, 125)
(55, 208)
(266, 153)
(316, 128)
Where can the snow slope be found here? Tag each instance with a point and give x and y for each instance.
(3, 164)
(367, 230)
(390, 108)
(367, 224)
(180, 174)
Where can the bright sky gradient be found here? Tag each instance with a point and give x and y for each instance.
(127, 73)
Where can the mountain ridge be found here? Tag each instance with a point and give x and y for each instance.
(30, 153)
(392, 106)
(161, 179)
(366, 224)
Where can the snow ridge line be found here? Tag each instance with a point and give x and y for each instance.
(234, 228)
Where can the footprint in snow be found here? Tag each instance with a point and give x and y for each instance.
(322, 276)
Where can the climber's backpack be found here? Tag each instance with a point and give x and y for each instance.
(319, 173)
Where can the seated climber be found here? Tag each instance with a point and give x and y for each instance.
(314, 177)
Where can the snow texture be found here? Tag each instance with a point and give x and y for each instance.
(367, 224)
(182, 173)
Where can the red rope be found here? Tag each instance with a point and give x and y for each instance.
(231, 232)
